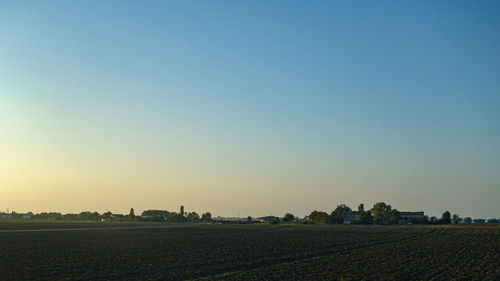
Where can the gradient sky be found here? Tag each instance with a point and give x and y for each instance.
(250, 107)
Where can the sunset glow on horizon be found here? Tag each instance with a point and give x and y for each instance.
(250, 108)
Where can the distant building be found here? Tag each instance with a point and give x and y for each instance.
(411, 217)
(26, 217)
(478, 221)
(268, 219)
(234, 220)
(219, 218)
(492, 221)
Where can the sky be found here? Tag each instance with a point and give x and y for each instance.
(250, 107)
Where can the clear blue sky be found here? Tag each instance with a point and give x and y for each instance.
(250, 107)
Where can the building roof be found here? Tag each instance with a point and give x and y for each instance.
(269, 217)
(411, 213)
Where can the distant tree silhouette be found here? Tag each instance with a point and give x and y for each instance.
(319, 217)
(193, 216)
(288, 217)
(206, 216)
(174, 217)
(152, 213)
(181, 212)
(426, 219)
(361, 208)
(383, 213)
(446, 218)
(249, 218)
(339, 214)
(455, 219)
(108, 215)
(395, 217)
(433, 220)
(132, 214)
(365, 217)
(89, 216)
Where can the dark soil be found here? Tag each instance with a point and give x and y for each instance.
(142, 251)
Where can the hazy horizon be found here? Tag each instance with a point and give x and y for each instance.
(250, 107)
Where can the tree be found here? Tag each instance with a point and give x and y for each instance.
(433, 220)
(426, 219)
(394, 217)
(89, 216)
(193, 216)
(275, 221)
(361, 208)
(132, 214)
(181, 213)
(365, 217)
(107, 215)
(446, 218)
(288, 217)
(206, 216)
(455, 219)
(249, 218)
(174, 217)
(383, 214)
(153, 213)
(380, 212)
(318, 217)
(339, 214)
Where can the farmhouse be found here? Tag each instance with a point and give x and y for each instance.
(268, 219)
(408, 217)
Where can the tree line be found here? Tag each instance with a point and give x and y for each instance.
(380, 213)
(148, 215)
(181, 216)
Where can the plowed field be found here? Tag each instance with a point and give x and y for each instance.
(141, 251)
